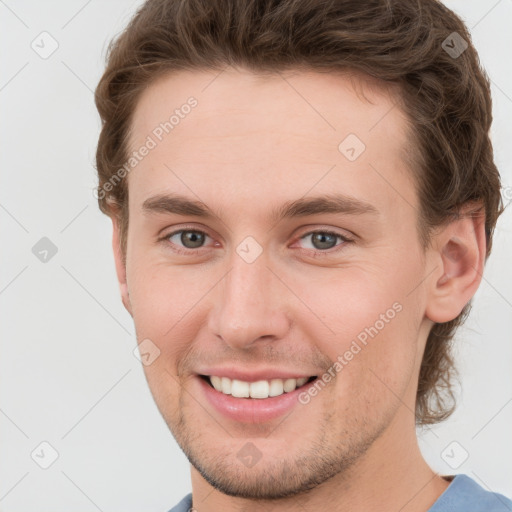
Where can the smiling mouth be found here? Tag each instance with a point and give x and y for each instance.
(260, 389)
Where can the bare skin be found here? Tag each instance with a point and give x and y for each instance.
(250, 145)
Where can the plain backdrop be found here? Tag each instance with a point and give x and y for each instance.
(69, 376)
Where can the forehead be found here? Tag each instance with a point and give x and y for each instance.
(326, 101)
(274, 135)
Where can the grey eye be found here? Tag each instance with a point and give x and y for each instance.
(189, 239)
(322, 240)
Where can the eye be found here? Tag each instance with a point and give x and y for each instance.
(186, 241)
(323, 240)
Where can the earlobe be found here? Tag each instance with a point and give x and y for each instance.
(460, 255)
(120, 264)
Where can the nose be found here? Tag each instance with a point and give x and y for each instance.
(249, 305)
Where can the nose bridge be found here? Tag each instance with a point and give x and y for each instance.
(247, 302)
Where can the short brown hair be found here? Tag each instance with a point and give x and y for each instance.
(445, 96)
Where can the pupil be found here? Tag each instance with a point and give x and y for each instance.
(192, 237)
(320, 237)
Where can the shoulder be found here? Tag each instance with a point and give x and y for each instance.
(184, 505)
(464, 494)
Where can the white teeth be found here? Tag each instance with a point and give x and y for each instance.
(259, 389)
(276, 387)
(216, 382)
(239, 388)
(301, 381)
(226, 385)
(290, 385)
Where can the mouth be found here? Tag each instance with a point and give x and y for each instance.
(261, 389)
(253, 396)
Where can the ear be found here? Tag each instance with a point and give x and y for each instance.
(459, 253)
(120, 264)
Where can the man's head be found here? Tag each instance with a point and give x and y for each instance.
(345, 198)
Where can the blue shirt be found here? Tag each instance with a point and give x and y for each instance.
(462, 495)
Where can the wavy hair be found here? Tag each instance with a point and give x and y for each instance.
(445, 96)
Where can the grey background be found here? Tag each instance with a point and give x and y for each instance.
(69, 376)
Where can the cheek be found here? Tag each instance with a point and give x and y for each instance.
(165, 305)
(345, 305)
(164, 311)
(367, 323)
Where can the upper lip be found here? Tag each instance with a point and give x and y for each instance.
(254, 375)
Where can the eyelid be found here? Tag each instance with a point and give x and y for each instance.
(166, 235)
(315, 228)
(184, 227)
(345, 240)
(184, 250)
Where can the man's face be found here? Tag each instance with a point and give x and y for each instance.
(249, 295)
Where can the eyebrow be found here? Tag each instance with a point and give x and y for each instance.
(330, 203)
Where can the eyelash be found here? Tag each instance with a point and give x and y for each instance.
(318, 252)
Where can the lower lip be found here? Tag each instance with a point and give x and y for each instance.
(252, 410)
